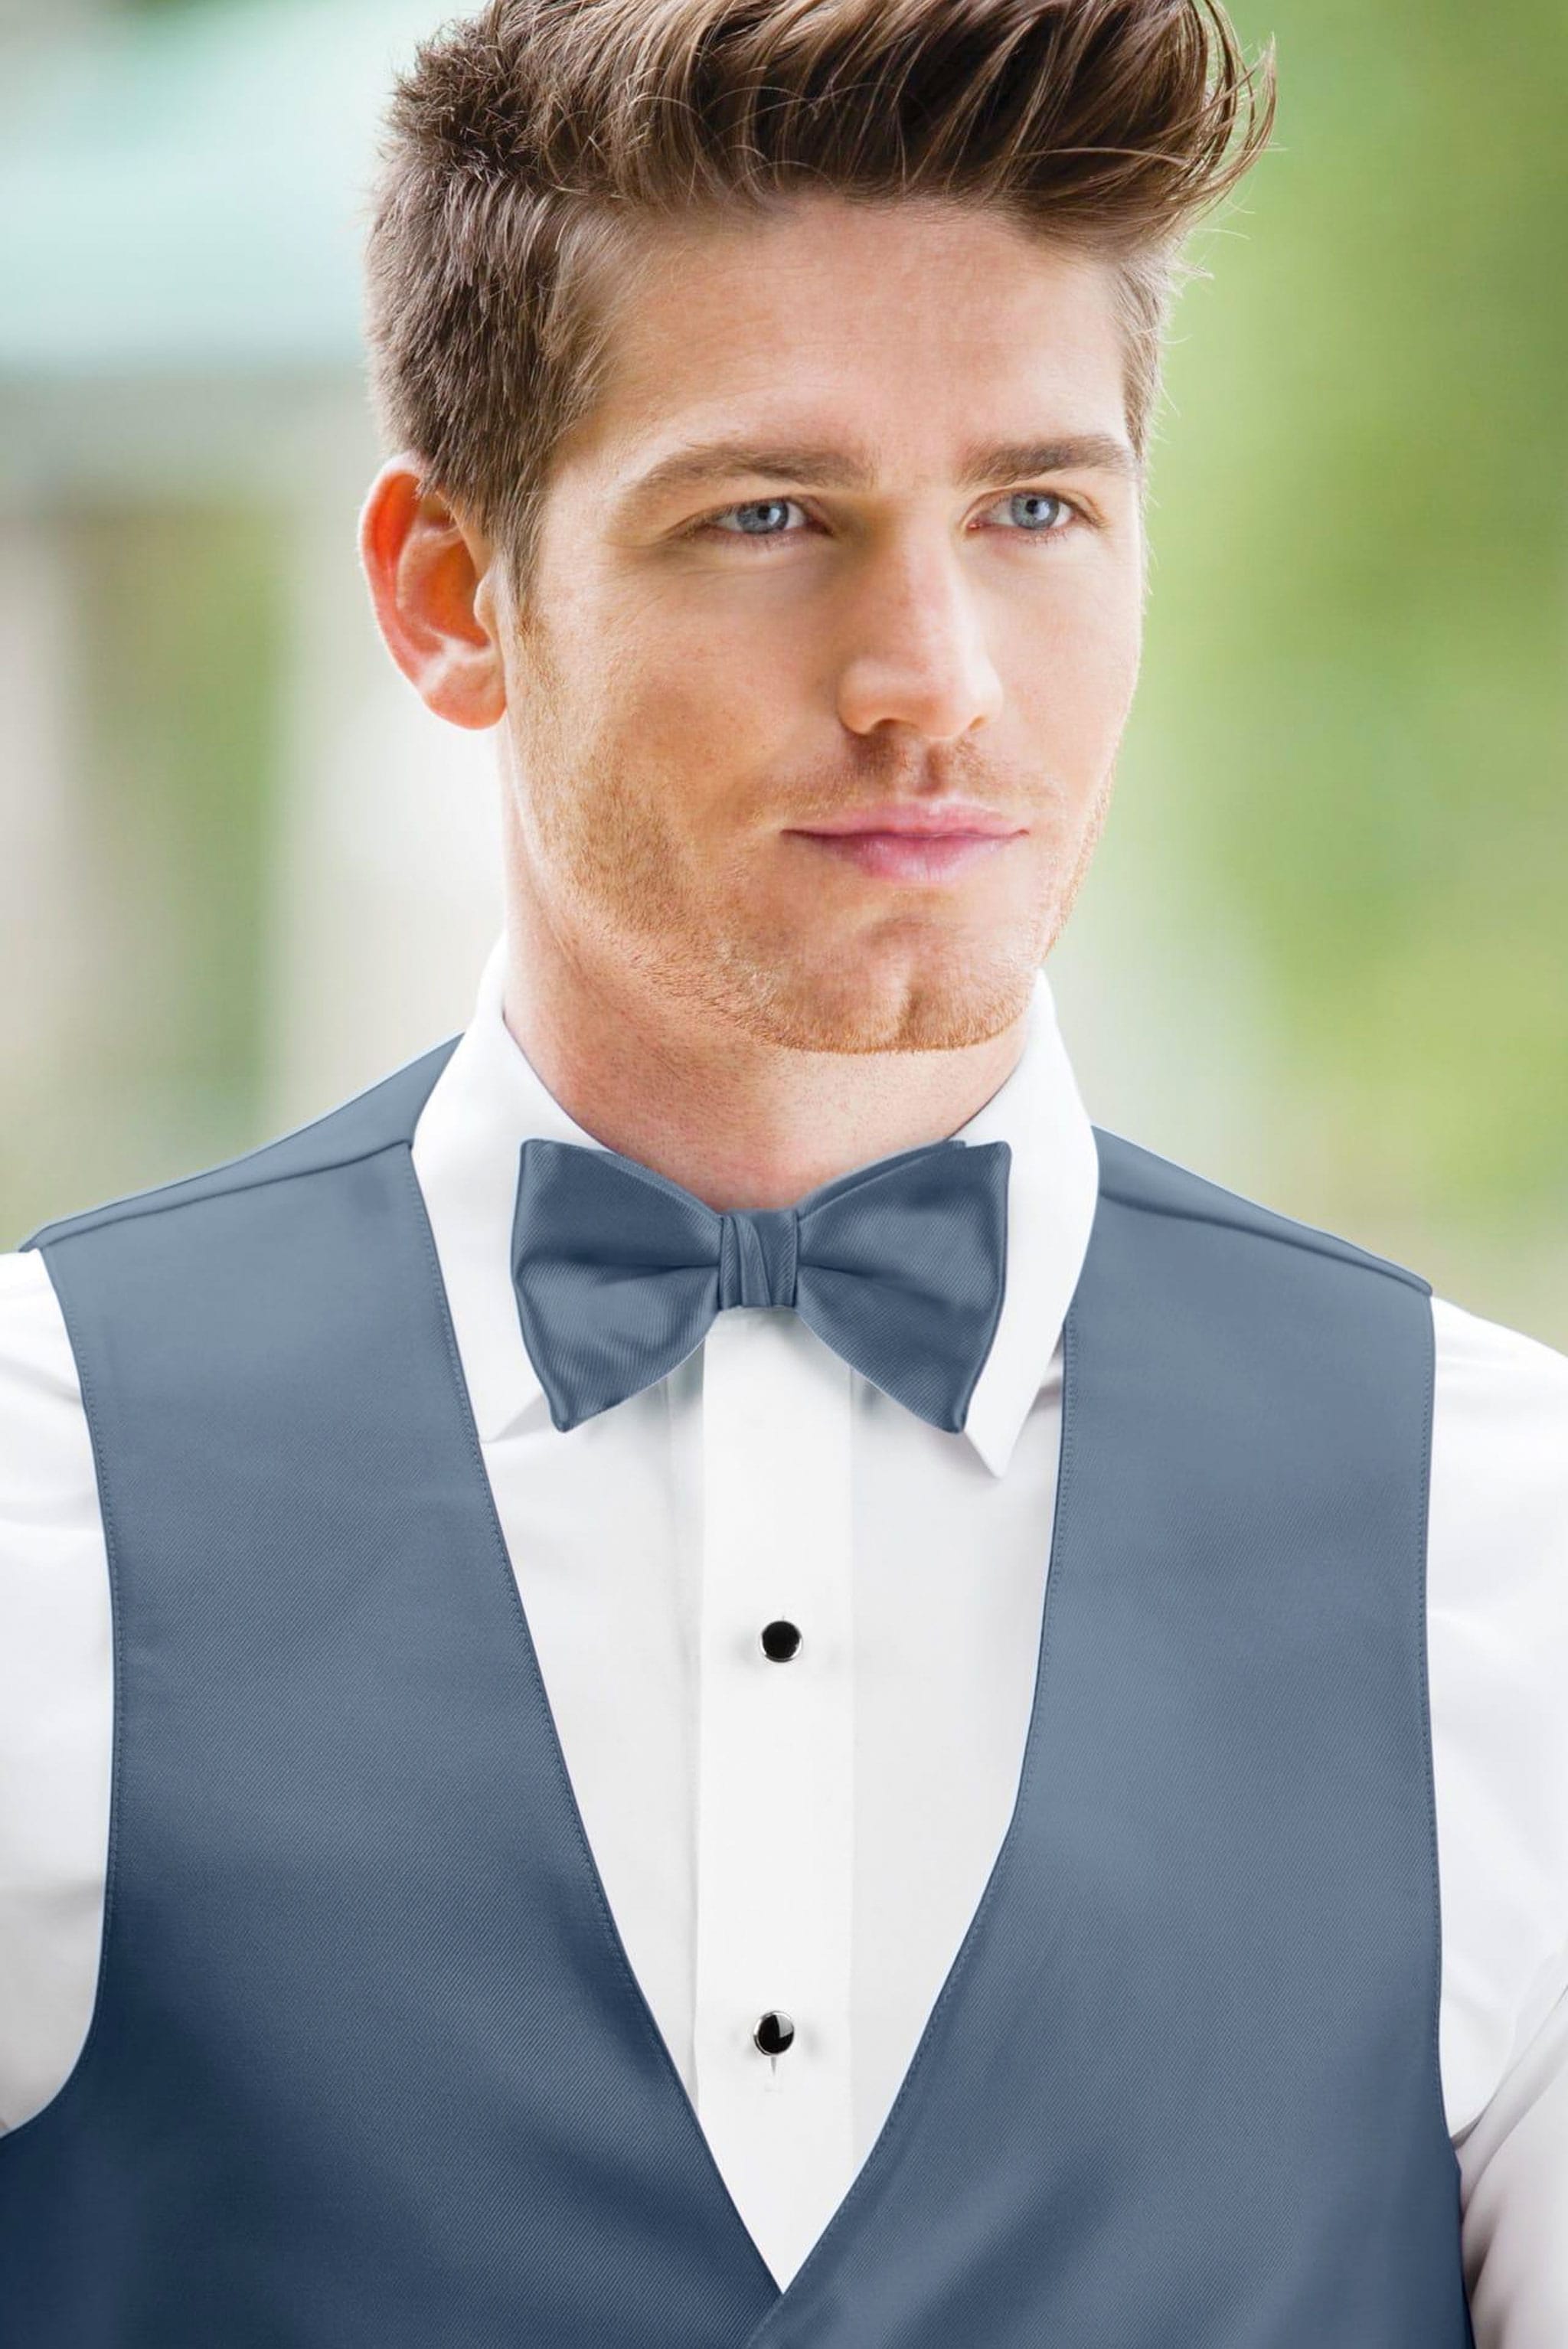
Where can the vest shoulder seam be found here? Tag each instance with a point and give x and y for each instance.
(307, 1149)
(1210, 1203)
(155, 1203)
(1342, 1251)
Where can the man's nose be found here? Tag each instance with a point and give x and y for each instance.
(915, 645)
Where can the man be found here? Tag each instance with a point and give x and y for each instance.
(765, 1690)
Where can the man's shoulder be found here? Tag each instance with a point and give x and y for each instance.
(381, 1114)
(1135, 1177)
(1492, 1371)
(36, 1368)
(1484, 1366)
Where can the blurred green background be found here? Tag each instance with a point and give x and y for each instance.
(1323, 955)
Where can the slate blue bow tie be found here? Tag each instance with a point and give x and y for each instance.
(900, 1267)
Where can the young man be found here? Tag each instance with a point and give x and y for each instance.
(765, 1690)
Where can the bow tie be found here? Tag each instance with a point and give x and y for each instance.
(899, 1267)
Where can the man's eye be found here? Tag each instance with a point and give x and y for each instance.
(755, 506)
(1032, 526)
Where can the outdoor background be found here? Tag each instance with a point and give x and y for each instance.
(1322, 955)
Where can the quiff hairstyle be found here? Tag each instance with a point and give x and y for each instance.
(530, 149)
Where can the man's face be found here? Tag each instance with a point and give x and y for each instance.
(709, 668)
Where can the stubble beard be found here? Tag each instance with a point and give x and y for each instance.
(623, 891)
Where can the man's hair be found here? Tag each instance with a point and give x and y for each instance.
(529, 149)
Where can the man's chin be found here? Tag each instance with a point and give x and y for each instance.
(942, 1001)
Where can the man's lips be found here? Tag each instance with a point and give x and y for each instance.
(911, 855)
(936, 818)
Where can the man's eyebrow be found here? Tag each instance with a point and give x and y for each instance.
(827, 468)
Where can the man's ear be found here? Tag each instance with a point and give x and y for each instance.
(425, 569)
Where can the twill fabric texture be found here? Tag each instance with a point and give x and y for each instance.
(368, 2067)
(900, 1267)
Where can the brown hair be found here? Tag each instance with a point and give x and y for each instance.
(527, 145)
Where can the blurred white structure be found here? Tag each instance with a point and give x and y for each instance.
(178, 334)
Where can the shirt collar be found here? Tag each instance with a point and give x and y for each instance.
(488, 1099)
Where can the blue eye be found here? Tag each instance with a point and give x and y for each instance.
(757, 506)
(1040, 497)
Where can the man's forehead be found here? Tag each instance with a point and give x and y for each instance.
(823, 281)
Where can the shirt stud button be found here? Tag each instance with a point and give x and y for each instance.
(780, 1640)
(774, 2032)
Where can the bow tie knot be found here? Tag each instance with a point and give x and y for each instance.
(759, 1256)
(898, 1267)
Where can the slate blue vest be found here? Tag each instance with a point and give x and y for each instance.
(368, 2067)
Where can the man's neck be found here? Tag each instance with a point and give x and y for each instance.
(740, 1123)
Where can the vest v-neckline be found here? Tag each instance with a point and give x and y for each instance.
(836, 2238)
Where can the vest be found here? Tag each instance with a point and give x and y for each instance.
(368, 2067)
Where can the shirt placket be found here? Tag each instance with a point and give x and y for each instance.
(775, 1776)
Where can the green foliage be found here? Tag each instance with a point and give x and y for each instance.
(1354, 685)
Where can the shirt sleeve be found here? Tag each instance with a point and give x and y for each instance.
(56, 1697)
(1498, 1676)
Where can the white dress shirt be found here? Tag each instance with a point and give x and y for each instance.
(816, 1837)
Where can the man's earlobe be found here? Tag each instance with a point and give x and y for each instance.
(424, 566)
